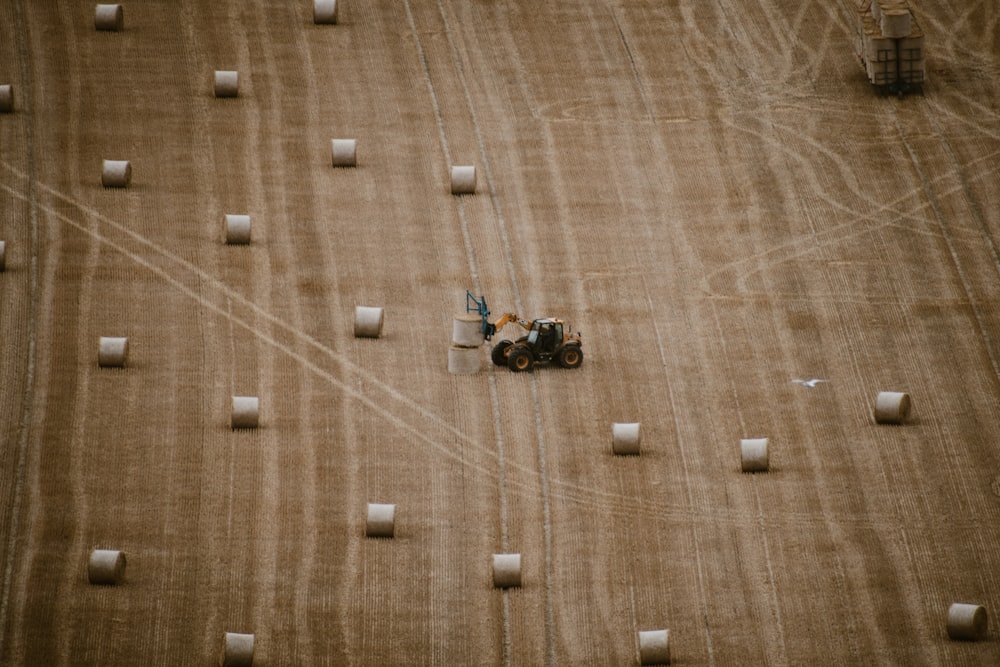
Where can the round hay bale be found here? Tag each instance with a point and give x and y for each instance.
(116, 173)
(654, 647)
(891, 407)
(109, 17)
(381, 520)
(237, 650)
(345, 152)
(467, 331)
(246, 412)
(625, 439)
(967, 621)
(368, 322)
(112, 352)
(506, 570)
(753, 454)
(463, 180)
(106, 567)
(237, 229)
(3, 256)
(325, 11)
(227, 83)
(6, 98)
(464, 360)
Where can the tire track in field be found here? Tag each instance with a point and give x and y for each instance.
(928, 189)
(508, 261)
(758, 513)
(27, 400)
(843, 231)
(657, 142)
(470, 253)
(584, 497)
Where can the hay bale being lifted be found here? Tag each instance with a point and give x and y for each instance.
(109, 17)
(345, 152)
(6, 98)
(654, 647)
(116, 173)
(246, 412)
(237, 650)
(227, 83)
(106, 567)
(463, 180)
(967, 622)
(368, 322)
(467, 331)
(112, 352)
(891, 407)
(325, 11)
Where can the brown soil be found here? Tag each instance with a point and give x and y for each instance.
(710, 191)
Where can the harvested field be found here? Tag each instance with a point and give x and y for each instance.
(710, 191)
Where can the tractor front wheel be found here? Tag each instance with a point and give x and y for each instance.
(520, 359)
(499, 354)
(571, 356)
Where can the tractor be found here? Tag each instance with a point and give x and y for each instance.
(547, 339)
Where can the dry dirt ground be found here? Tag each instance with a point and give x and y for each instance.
(709, 191)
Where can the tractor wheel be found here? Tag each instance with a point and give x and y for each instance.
(520, 359)
(571, 356)
(499, 354)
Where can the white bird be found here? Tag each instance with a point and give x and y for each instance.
(809, 383)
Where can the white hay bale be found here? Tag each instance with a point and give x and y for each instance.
(246, 412)
(467, 331)
(237, 650)
(116, 173)
(464, 360)
(345, 152)
(891, 407)
(967, 621)
(109, 17)
(237, 229)
(654, 647)
(112, 352)
(3, 256)
(753, 454)
(506, 570)
(896, 23)
(463, 180)
(381, 520)
(625, 439)
(227, 83)
(325, 11)
(368, 322)
(106, 567)
(6, 98)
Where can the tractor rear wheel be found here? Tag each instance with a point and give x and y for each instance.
(520, 359)
(499, 354)
(571, 356)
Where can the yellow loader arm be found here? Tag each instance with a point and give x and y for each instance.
(507, 318)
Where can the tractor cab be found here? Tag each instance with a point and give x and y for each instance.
(544, 336)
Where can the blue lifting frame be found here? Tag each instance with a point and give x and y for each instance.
(474, 305)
